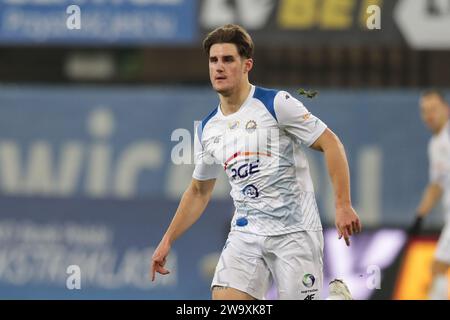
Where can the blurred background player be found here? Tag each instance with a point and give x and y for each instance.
(435, 115)
(276, 232)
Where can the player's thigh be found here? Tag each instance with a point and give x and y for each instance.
(226, 293)
(242, 267)
(296, 262)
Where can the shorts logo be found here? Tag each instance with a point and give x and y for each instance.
(250, 126)
(308, 280)
(250, 191)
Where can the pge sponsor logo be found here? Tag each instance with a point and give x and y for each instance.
(245, 170)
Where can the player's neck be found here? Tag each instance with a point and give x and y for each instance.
(442, 127)
(232, 103)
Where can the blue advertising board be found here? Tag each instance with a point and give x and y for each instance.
(123, 22)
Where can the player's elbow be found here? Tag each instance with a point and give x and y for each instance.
(327, 141)
(200, 188)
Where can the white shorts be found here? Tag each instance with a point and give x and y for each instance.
(443, 247)
(294, 261)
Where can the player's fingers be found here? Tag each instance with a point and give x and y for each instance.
(347, 241)
(156, 263)
(160, 269)
(346, 236)
(153, 270)
(348, 228)
(358, 226)
(355, 227)
(338, 228)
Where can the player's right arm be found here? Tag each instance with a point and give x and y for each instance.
(433, 191)
(430, 197)
(192, 204)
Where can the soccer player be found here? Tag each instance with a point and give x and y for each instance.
(435, 115)
(276, 232)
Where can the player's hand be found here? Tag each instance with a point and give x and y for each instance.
(347, 223)
(416, 226)
(159, 259)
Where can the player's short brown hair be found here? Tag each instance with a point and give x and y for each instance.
(231, 33)
(434, 91)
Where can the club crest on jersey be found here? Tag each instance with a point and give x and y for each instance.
(250, 126)
(250, 191)
(233, 124)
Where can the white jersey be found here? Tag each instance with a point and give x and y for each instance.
(259, 147)
(439, 161)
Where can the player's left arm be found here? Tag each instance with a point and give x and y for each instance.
(347, 220)
(304, 127)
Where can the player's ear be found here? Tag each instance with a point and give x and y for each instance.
(248, 65)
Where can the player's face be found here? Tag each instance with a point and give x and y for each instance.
(227, 69)
(434, 112)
